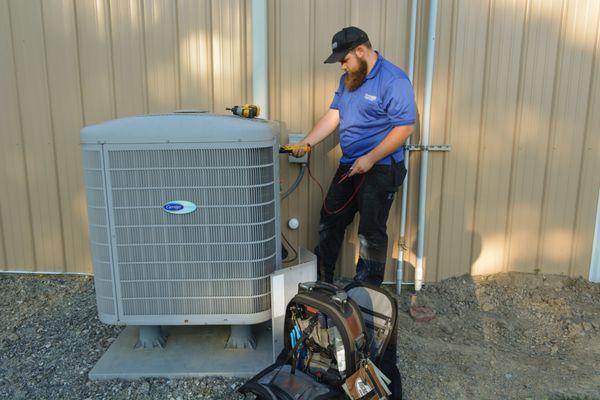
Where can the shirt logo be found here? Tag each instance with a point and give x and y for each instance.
(370, 97)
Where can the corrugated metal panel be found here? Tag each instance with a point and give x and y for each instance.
(95, 61)
(15, 217)
(589, 179)
(501, 68)
(516, 84)
(538, 70)
(65, 64)
(162, 72)
(65, 105)
(230, 62)
(29, 45)
(129, 57)
(195, 53)
(567, 134)
(500, 102)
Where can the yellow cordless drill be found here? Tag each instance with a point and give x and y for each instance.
(245, 111)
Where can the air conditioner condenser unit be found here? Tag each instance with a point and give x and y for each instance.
(183, 218)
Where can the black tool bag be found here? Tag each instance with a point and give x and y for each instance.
(329, 332)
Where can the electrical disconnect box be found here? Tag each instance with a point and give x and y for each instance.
(297, 138)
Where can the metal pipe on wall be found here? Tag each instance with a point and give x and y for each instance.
(425, 142)
(411, 76)
(260, 57)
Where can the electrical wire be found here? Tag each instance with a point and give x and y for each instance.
(296, 182)
(325, 208)
(290, 247)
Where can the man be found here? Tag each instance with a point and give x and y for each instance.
(375, 110)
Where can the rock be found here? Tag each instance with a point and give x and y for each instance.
(145, 388)
(19, 395)
(576, 329)
(487, 307)
(508, 376)
(554, 350)
(446, 328)
(572, 367)
(13, 337)
(587, 326)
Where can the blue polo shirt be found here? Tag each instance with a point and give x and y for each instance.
(384, 100)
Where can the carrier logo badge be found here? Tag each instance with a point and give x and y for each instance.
(370, 97)
(179, 207)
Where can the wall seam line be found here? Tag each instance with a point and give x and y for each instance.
(112, 59)
(447, 131)
(482, 121)
(210, 39)
(3, 242)
(516, 135)
(245, 48)
(145, 55)
(20, 111)
(78, 44)
(78, 82)
(383, 26)
(177, 56)
(53, 135)
(550, 145)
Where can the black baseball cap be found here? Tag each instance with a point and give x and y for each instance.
(344, 41)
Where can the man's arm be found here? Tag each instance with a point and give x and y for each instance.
(388, 145)
(323, 128)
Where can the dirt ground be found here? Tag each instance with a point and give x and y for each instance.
(507, 336)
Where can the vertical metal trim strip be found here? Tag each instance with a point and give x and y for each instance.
(111, 231)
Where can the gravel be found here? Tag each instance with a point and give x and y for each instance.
(514, 336)
(51, 338)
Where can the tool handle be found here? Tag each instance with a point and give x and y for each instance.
(289, 148)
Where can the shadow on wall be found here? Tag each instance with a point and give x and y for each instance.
(447, 261)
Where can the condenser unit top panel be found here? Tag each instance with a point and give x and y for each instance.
(180, 128)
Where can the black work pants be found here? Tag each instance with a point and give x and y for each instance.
(373, 199)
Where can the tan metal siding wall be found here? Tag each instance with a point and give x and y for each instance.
(69, 63)
(517, 173)
(516, 90)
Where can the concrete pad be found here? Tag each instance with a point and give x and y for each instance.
(191, 351)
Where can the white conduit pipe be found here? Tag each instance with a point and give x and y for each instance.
(260, 44)
(425, 142)
(411, 75)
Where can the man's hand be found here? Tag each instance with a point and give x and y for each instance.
(362, 165)
(299, 151)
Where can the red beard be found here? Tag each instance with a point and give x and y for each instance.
(355, 79)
